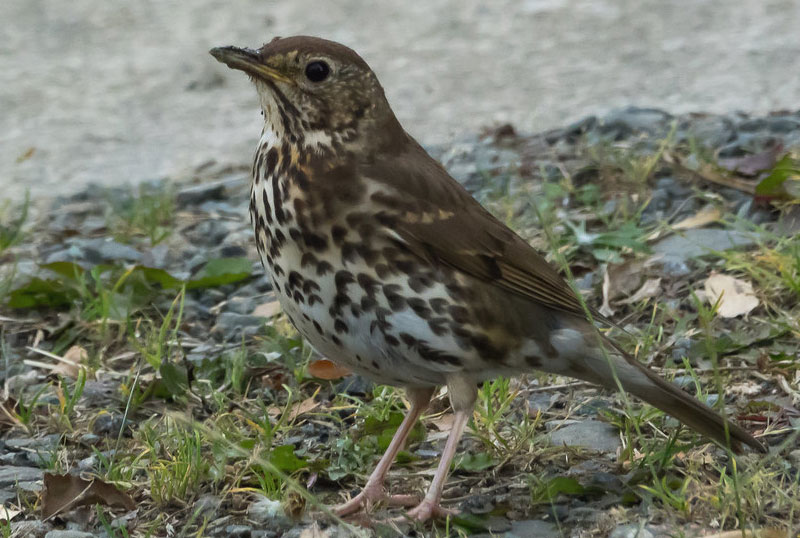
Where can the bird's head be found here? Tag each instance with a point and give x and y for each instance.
(314, 91)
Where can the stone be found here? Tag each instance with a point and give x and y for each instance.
(100, 250)
(232, 326)
(533, 528)
(591, 434)
(69, 534)
(197, 194)
(238, 531)
(624, 122)
(32, 528)
(10, 475)
(675, 251)
(631, 531)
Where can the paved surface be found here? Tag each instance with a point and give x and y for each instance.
(116, 92)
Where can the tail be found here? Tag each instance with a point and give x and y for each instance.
(638, 380)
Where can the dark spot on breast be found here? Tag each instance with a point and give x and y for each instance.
(338, 233)
(295, 280)
(309, 286)
(376, 365)
(392, 293)
(367, 283)
(301, 179)
(459, 314)
(391, 340)
(267, 209)
(298, 297)
(438, 304)
(318, 327)
(277, 201)
(438, 326)
(335, 340)
(406, 266)
(315, 241)
(307, 259)
(323, 268)
(314, 299)
(484, 347)
(340, 326)
(342, 278)
(369, 255)
(368, 303)
(419, 283)
(382, 270)
(272, 160)
(420, 307)
(435, 355)
(299, 205)
(349, 251)
(408, 340)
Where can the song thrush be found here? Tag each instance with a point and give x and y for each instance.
(384, 263)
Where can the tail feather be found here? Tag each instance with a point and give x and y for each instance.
(647, 385)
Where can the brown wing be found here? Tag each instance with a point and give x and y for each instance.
(439, 219)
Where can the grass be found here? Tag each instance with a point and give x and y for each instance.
(249, 421)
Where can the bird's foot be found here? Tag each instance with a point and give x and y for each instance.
(428, 509)
(371, 496)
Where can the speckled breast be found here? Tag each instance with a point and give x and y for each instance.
(349, 286)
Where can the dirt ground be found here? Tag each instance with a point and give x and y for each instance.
(113, 92)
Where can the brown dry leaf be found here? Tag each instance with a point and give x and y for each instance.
(7, 513)
(65, 492)
(760, 533)
(302, 408)
(8, 413)
(268, 309)
(315, 532)
(735, 296)
(650, 288)
(70, 363)
(444, 423)
(325, 369)
(752, 164)
(620, 280)
(707, 215)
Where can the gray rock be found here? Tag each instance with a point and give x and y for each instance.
(69, 534)
(10, 475)
(232, 326)
(631, 531)
(534, 528)
(33, 528)
(712, 131)
(588, 434)
(198, 194)
(6, 495)
(238, 531)
(676, 250)
(107, 424)
(623, 123)
(106, 250)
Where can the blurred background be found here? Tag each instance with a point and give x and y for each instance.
(122, 92)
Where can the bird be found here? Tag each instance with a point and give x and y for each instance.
(386, 264)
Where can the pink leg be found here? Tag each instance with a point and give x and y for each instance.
(430, 507)
(373, 491)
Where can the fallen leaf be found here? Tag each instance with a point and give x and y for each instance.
(302, 408)
(735, 296)
(268, 309)
(70, 363)
(325, 369)
(7, 514)
(27, 154)
(315, 532)
(650, 288)
(759, 533)
(707, 215)
(620, 279)
(753, 163)
(66, 491)
(8, 413)
(444, 423)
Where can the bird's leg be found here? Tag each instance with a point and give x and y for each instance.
(373, 491)
(463, 392)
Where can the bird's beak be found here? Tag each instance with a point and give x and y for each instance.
(247, 60)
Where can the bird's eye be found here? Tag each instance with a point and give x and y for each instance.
(317, 71)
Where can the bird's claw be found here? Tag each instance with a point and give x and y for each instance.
(427, 510)
(371, 496)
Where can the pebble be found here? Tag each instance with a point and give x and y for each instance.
(10, 475)
(674, 252)
(534, 528)
(69, 534)
(591, 434)
(631, 531)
